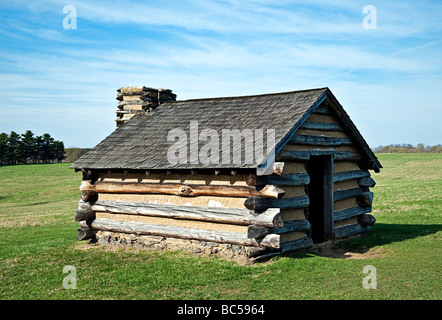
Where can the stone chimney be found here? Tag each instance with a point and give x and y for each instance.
(134, 100)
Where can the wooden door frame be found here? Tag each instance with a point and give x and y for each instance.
(322, 178)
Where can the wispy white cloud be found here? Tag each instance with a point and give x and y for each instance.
(294, 17)
(211, 48)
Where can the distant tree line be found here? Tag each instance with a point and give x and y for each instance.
(27, 148)
(72, 154)
(408, 148)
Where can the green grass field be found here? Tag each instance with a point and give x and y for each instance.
(38, 239)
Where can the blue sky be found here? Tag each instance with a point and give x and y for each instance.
(64, 81)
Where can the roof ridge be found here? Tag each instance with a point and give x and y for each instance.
(248, 96)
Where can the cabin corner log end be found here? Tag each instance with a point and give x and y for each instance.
(365, 199)
(366, 220)
(260, 204)
(89, 196)
(85, 232)
(84, 214)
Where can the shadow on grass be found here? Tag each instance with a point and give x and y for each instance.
(35, 204)
(359, 247)
(383, 234)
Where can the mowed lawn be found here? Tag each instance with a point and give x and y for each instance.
(38, 239)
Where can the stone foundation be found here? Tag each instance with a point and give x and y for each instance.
(222, 250)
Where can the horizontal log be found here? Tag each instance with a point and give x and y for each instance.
(84, 205)
(320, 140)
(259, 254)
(268, 218)
(270, 240)
(322, 110)
(297, 244)
(292, 226)
(365, 199)
(84, 214)
(347, 175)
(366, 182)
(85, 233)
(258, 204)
(295, 179)
(184, 190)
(366, 220)
(345, 214)
(347, 193)
(292, 155)
(322, 126)
(350, 230)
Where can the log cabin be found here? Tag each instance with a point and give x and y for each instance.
(250, 176)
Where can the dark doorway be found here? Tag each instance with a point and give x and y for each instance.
(320, 192)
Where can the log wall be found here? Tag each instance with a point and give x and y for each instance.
(264, 215)
(322, 133)
(153, 204)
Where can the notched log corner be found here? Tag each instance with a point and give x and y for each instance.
(366, 219)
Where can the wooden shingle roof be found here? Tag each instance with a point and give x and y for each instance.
(142, 143)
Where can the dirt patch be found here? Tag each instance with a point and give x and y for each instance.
(340, 253)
